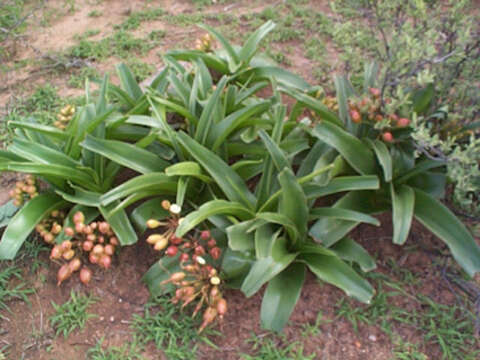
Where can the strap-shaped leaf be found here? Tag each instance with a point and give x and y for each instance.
(210, 60)
(265, 269)
(128, 82)
(349, 250)
(336, 272)
(280, 219)
(128, 155)
(251, 45)
(120, 224)
(228, 180)
(233, 59)
(293, 202)
(211, 208)
(384, 157)
(187, 168)
(281, 296)
(403, 203)
(25, 220)
(278, 156)
(440, 221)
(159, 272)
(41, 128)
(282, 76)
(340, 184)
(239, 238)
(356, 153)
(343, 214)
(151, 181)
(344, 90)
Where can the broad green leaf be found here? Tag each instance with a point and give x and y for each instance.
(293, 202)
(334, 271)
(280, 219)
(120, 224)
(236, 265)
(340, 184)
(384, 158)
(403, 204)
(281, 296)
(356, 153)
(7, 211)
(40, 128)
(239, 238)
(150, 209)
(127, 79)
(420, 168)
(277, 155)
(433, 183)
(80, 196)
(440, 221)
(210, 60)
(125, 154)
(228, 180)
(151, 181)
(265, 238)
(211, 208)
(187, 168)
(349, 250)
(25, 220)
(233, 59)
(422, 99)
(370, 75)
(265, 269)
(343, 214)
(344, 91)
(282, 76)
(251, 45)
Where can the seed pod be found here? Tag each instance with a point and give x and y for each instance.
(87, 246)
(79, 227)
(375, 92)
(190, 268)
(101, 239)
(93, 258)
(98, 249)
(63, 274)
(114, 241)
(171, 251)
(56, 228)
(85, 275)
(403, 122)
(215, 253)
(105, 261)
(69, 231)
(175, 240)
(378, 118)
(154, 238)
(222, 307)
(211, 243)
(109, 249)
(78, 217)
(87, 230)
(175, 209)
(387, 137)
(66, 245)
(205, 235)
(177, 277)
(184, 257)
(75, 264)
(166, 204)
(92, 238)
(199, 260)
(355, 115)
(67, 255)
(104, 227)
(161, 244)
(56, 253)
(208, 316)
(199, 250)
(48, 237)
(215, 280)
(152, 223)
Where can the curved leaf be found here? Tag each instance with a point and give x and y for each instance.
(150, 209)
(343, 214)
(403, 203)
(440, 221)
(161, 271)
(251, 45)
(349, 250)
(25, 220)
(211, 208)
(239, 238)
(293, 202)
(281, 296)
(120, 224)
(343, 183)
(277, 154)
(187, 168)
(384, 158)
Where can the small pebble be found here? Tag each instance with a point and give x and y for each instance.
(112, 319)
(120, 300)
(102, 318)
(372, 338)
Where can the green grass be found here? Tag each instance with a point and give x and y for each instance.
(7, 292)
(77, 79)
(135, 19)
(173, 332)
(95, 13)
(131, 351)
(11, 12)
(72, 314)
(275, 348)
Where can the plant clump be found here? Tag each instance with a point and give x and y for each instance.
(24, 191)
(94, 242)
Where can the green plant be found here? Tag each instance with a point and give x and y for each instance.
(7, 292)
(178, 338)
(72, 314)
(125, 352)
(275, 348)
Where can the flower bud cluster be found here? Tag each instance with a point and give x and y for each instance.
(94, 241)
(24, 190)
(49, 228)
(205, 43)
(64, 117)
